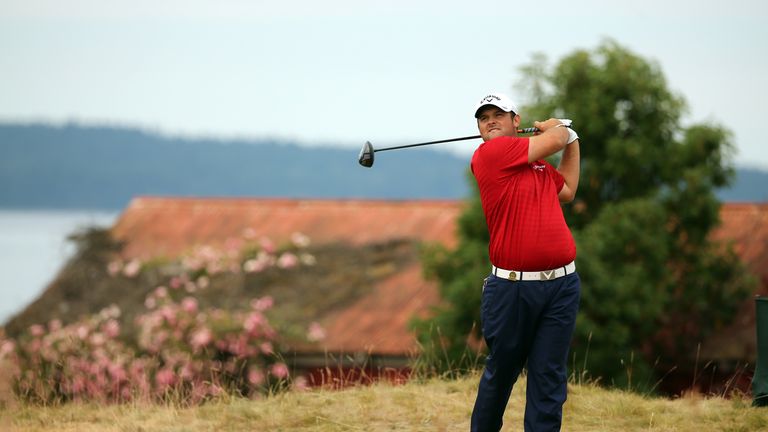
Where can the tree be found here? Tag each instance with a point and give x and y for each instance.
(654, 284)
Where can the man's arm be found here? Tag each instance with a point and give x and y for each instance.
(570, 167)
(549, 141)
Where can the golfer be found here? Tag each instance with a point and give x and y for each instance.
(530, 299)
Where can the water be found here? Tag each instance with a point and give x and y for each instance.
(33, 248)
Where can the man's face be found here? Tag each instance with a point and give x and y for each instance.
(493, 122)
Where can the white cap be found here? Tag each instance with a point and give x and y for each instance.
(497, 99)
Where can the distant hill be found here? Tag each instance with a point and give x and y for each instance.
(80, 167)
(749, 186)
(103, 168)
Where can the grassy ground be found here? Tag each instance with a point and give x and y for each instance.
(431, 406)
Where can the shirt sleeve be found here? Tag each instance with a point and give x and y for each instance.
(556, 177)
(506, 153)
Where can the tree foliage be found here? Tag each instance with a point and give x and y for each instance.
(654, 283)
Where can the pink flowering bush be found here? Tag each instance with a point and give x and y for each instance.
(82, 361)
(234, 350)
(180, 352)
(177, 349)
(238, 254)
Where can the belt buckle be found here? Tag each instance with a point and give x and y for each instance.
(547, 275)
(512, 276)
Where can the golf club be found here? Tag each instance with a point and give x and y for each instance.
(366, 153)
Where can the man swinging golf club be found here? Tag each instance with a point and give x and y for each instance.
(530, 299)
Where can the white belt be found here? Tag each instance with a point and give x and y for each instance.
(534, 275)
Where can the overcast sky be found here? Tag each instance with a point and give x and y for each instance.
(342, 72)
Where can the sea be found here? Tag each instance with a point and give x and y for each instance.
(34, 248)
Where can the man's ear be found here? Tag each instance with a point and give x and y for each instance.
(516, 120)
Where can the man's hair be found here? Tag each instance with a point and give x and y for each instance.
(511, 113)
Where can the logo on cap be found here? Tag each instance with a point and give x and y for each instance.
(499, 99)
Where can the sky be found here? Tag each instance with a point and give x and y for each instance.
(342, 72)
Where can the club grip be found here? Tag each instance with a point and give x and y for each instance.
(533, 129)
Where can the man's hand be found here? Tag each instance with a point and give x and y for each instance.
(547, 124)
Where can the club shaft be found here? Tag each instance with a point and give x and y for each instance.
(526, 130)
(428, 143)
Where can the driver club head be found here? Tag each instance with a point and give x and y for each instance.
(366, 155)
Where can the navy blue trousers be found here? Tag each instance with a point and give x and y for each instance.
(529, 321)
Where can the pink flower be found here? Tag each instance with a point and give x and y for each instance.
(267, 348)
(168, 314)
(253, 322)
(175, 282)
(287, 260)
(267, 245)
(239, 347)
(132, 268)
(189, 305)
(207, 253)
(279, 370)
(187, 373)
(78, 384)
(6, 347)
(255, 377)
(192, 263)
(117, 372)
(316, 332)
(113, 311)
(111, 328)
(161, 292)
(150, 302)
(203, 282)
(97, 339)
(82, 331)
(165, 377)
(254, 266)
(160, 337)
(300, 384)
(215, 390)
(308, 259)
(37, 330)
(262, 304)
(54, 325)
(300, 240)
(114, 267)
(201, 338)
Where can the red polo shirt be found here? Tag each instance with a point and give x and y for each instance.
(522, 210)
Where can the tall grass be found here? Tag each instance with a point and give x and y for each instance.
(433, 405)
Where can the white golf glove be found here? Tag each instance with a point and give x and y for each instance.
(572, 136)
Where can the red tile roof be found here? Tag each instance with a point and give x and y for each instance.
(745, 225)
(378, 323)
(168, 227)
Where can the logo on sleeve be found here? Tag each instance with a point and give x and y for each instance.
(538, 167)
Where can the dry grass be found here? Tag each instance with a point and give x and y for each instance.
(432, 406)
